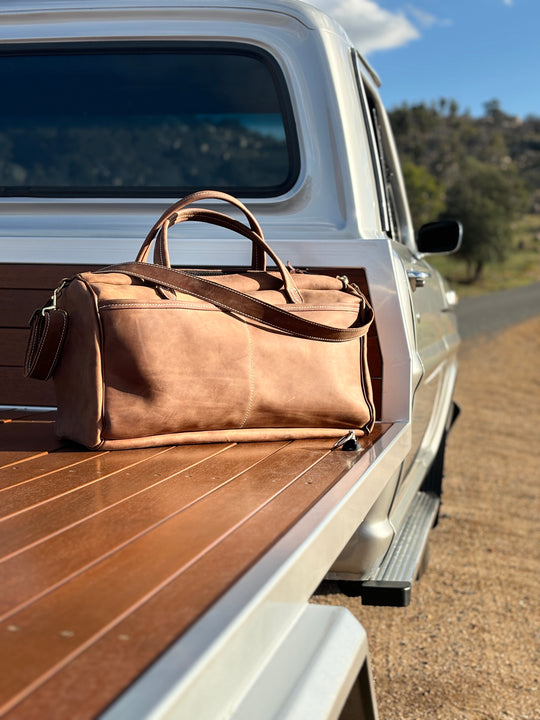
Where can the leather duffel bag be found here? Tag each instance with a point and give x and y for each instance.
(143, 354)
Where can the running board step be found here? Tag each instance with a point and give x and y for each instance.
(403, 562)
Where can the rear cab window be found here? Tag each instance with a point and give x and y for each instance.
(144, 120)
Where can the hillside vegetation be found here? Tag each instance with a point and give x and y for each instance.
(483, 171)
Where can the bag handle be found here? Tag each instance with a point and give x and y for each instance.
(161, 249)
(170, 218)
(258, 257)
(246, 305)
(216, 218)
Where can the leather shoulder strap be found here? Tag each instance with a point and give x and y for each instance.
(246, 305)
(47, 334)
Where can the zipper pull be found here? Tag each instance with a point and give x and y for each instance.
(348, 442)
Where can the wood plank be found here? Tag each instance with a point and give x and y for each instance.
(38, 276)
(18, 390)
(374, 357)
(141, 470)
(16, 414)
(11, 414)
(63, 554)
(35, 415)
(376, 385)
(27, 494)
(44, 466)
(22, 440)
(65, 620)
(86, 479)
(13, 346)
(118, 654)
(69, 478)
(18, 305)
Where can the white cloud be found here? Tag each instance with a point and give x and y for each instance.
(508, 2)
(369, 26)
(426, 19)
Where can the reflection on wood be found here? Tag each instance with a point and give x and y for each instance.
(109, 557)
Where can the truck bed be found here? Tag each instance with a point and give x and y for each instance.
(108, 558)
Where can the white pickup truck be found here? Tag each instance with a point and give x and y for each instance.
(111, 110)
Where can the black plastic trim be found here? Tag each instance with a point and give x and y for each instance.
(378, 592)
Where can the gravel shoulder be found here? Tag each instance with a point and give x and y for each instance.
(468, 646)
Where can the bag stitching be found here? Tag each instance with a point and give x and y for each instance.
(236, 292)
(197, 306)
(38, 344)
(364, 385)
(278, 327)
(251, 377)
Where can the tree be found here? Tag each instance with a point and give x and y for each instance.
(486, 199)
(425, 193)
(440, 137)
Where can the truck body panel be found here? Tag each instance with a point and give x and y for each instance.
(339, 206)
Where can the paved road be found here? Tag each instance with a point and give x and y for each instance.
(489, 313)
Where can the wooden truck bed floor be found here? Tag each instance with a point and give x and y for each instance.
(107, 558)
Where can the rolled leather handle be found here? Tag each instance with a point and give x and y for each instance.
(161, 255)
(215, 218)
(258, 258)
(161, 250)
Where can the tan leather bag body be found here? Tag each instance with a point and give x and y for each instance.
(143, 354)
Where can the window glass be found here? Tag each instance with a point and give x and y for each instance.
(385, 175)
(145, 120)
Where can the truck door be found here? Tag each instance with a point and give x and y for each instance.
(426, 295)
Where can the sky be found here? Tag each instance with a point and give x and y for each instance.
(471, 51)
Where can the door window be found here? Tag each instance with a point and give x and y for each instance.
(381, 159)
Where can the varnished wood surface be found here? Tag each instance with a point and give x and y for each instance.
(108, 557)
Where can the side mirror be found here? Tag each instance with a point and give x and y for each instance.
(443, 237)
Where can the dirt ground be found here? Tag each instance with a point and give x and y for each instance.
(468, 645)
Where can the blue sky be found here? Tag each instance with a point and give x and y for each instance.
(472, 51)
